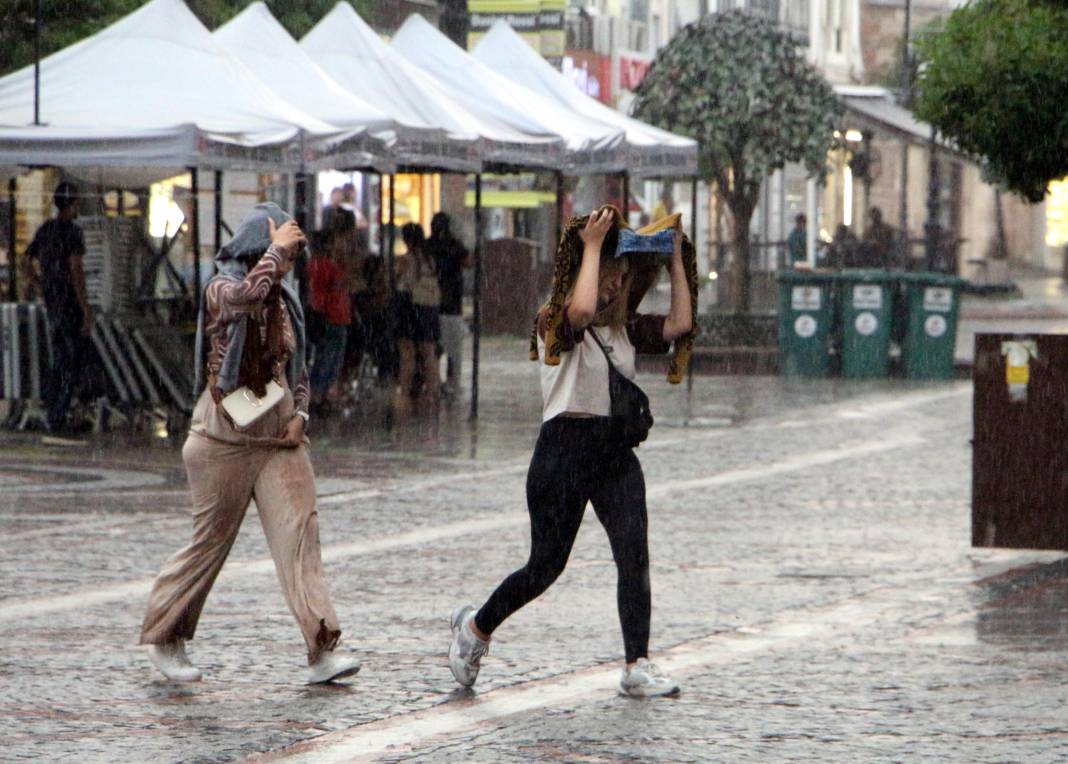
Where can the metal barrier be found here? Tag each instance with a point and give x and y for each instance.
(25, 355)
(143, 370)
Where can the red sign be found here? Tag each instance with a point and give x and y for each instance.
(632, 71)
(591, 72)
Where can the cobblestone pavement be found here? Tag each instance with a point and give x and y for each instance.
(814, 592)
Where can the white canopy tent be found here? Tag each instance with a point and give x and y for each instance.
(153, 89)
(351, 52)
(262, 44)
(149, 97)
(653, 152)
(592, 146)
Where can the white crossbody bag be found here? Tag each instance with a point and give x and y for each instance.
(244, 407)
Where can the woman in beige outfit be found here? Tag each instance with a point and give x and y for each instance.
(250, 333)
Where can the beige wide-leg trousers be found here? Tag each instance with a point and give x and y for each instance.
(226, 471)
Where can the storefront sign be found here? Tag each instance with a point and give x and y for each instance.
(632, 70)
(591, 73)
(539, 22)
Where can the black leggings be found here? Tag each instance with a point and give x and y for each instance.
(575, 462)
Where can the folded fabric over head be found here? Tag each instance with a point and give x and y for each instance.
(660, 243)
(645, 265)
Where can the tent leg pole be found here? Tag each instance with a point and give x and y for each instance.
(626, 196)
(218, 209)
(12, 261)
(476, 335)
(559, 208)
(195, 230)
(300, 189)
(392, 234)
(693, 213)
(381, 220)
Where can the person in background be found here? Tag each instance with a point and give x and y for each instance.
(879, 240)
(450, 257)
(373, 308)
(842, 251)
(797, 241)
(418, 327)
(330, 296)
(337, 197)
(349, 202)
(355, 267)
(57, 253)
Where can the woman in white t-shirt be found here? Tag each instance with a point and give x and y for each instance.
(577, 459)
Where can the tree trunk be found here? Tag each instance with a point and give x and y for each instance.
(741, 217)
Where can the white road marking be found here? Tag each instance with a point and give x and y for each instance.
(20, 609)
(411, 732)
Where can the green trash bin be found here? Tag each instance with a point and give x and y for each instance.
(804, 323)
(865, 307)
(932, 302)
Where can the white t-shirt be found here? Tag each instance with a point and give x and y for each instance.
(579, 383)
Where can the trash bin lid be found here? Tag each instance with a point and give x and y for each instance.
(867, 276)
(791, 276)
(930, 278)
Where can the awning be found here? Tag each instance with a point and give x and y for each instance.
(153, 88)
(876, 107)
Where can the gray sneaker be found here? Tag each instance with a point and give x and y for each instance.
(466, 650)
(646, 680)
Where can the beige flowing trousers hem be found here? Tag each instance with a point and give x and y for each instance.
(226, 472)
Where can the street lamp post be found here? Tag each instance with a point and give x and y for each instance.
(906, 101)
(37, 63)
(933, 229)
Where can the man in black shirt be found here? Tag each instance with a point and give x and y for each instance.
(451, 258)
(56, 252)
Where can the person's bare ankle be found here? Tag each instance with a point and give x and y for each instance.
(477, 631)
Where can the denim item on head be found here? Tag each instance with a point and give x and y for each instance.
(660, 243)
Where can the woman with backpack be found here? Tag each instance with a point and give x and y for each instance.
(593, 415)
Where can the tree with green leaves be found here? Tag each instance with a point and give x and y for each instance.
(740, 86)
(994, 79)
(65, 22)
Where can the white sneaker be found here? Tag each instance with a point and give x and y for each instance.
(466, 650)
(331, 666)
(173, 663)
(646, 680)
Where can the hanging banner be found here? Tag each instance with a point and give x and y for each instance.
(551, 30)
(539, 22)
(520, 15)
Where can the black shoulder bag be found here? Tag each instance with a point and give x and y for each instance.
(631, 417)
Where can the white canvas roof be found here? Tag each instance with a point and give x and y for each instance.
(350, 52)
(262, 44)
(153, 88)
(653, 152)
(593, 146)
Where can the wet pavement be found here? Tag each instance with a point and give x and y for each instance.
(1040, 307)
(814, 592)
